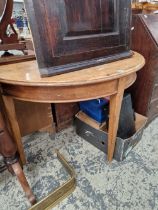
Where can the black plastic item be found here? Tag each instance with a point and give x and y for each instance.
(126, 126)
(2, 165)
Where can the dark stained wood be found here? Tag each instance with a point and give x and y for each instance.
(12, 46)
(10, 41)
(145, 41)
(2, 6)
(16, 59)
(5, 22)
(86, 17)
(7, 146)
(151, 21)
(23, 181)
(8, 150)
(70, 35)
(64, 114)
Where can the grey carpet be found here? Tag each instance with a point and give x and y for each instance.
(128, 185)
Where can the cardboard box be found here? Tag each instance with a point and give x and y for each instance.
(98, 137)
(88, 120)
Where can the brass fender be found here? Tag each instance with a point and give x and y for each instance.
(61, 192)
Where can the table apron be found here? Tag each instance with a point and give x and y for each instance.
(63, 94)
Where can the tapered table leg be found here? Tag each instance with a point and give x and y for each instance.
(115, 107)
(23, 181)
(10, 109)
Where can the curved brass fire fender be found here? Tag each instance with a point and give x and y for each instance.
(60, 193)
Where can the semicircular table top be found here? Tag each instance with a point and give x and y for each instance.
(27, 73)
(23, 81)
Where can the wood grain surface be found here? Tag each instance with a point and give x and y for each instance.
(27, 73)
(71, 35)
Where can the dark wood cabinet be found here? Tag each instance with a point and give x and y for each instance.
(64, 114)
(73, 34)
(145, 41)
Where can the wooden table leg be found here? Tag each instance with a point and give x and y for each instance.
(11, 114)
(115, 107)
(23, 181)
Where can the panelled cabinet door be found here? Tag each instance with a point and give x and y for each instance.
(73, 34)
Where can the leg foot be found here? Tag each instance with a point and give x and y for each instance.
(23, 181)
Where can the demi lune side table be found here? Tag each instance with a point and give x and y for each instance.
(22, 81)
